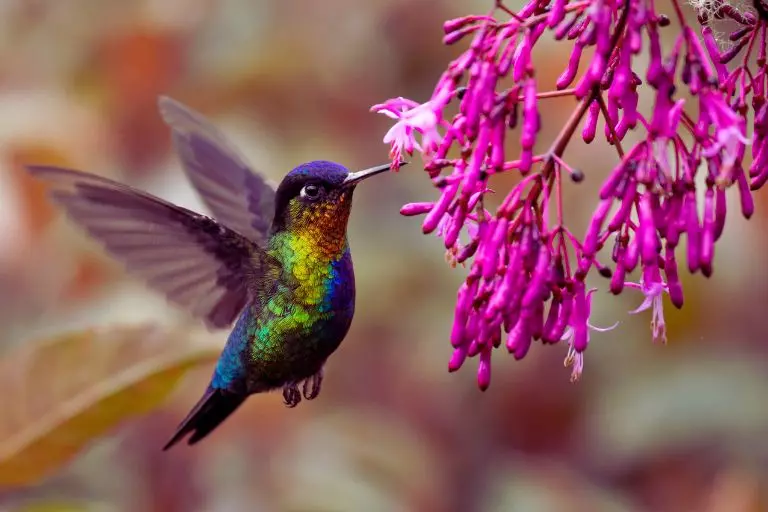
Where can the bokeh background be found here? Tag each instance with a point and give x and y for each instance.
(655, 428)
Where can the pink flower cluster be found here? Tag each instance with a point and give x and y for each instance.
(527, 278)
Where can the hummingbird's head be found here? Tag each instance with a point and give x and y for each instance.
(316, 197)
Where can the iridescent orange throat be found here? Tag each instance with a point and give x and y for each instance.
(321, 229)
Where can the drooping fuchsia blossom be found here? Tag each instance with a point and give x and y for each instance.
(527, 273)
(411, 118)
(653, 288)
(577, 333)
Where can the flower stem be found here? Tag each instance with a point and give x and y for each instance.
(564, 137)
(679, 13)
(750, 47)
(552, 94)
(510, 12)
(604, 109)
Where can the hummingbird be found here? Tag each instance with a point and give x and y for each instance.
(275, 261)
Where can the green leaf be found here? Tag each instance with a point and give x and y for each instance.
(59, 394)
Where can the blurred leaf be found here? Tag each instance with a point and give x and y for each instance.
(61, 393)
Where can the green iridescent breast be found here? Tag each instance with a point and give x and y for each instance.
(307, 313)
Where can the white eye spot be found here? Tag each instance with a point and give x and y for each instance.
(310, 191)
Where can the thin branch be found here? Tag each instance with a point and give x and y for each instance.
(608, 122)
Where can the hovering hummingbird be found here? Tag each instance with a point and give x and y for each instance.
(276, 261)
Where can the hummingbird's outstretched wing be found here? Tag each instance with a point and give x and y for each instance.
(238, 197)
(193, 260)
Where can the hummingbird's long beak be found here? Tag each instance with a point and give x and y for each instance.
(353, 178)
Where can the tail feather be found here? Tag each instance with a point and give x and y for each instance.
(213, 408)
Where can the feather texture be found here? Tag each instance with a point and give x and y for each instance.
(194, 261)
(211, 410)
(239, 198)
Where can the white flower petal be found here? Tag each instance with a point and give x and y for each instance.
(642, 307)
(603, 329)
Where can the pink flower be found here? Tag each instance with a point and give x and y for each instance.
(579, 327)
(526, 268)
(450, 224)
(653, 287)
(729, 129)
(411, 118)
(730, 140)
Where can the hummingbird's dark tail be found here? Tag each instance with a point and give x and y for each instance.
(210, 411)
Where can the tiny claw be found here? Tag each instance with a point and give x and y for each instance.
(291, 395)
(312, 385)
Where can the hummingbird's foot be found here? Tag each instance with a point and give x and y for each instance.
(291, 394)
(312, 385)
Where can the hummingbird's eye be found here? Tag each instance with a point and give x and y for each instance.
(311, 191)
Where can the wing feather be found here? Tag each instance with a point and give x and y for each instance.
(194, 261)
(238, 197)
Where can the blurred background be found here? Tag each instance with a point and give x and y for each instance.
(656, 428)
